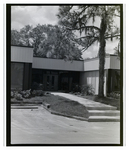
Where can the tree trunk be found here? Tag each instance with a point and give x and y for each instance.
(102, 57)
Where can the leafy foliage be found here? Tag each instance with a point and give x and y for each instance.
(37, 86)
(87, 90)
(17, 95)
(15, 37)
(115, 94)
(82, 18)
(48, 41)
(20, 95)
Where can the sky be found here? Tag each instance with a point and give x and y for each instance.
(34, 15)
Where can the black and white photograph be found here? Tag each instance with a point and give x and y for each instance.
(64, 74)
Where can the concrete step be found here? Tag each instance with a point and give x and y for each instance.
(101, 108)
(104, 119)
(104, 113)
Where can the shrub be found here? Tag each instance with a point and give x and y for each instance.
(115, 94)
(37, 86)
(18, 96)
(38, 93)
(26, 94)
(87, 90)
(76, 87)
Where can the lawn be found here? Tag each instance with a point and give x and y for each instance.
(64, 106)
(57, 104)
(104, 100)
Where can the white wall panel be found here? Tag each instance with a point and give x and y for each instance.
(114, 62)
(92, 78)
(21, 54)
(93, 64)
(57, 64)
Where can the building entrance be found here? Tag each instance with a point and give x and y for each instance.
(51, 82)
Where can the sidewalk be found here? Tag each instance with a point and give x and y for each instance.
(83, 101)
(97, 112)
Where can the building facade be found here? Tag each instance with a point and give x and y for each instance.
(61, 75)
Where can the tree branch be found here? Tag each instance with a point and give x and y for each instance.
(87, 37)
(112, 36)
(83, 28)
(83, 10)
(116, 15)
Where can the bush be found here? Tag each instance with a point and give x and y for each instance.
(26, 94)
(17, 95)
(76, 87)
(115, 94)
(38, 93)
(37, 86)
(87, 90)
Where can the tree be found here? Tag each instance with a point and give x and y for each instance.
(25, 37)
(82, 18)
(49, 41)
(15, 36)
(21, 38)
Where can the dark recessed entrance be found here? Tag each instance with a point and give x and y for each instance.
(54, 80)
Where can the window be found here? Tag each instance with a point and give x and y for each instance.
(17, 76)
(52, 80)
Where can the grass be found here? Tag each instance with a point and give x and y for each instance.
(58, 104)
(65, 106)
(104, 100)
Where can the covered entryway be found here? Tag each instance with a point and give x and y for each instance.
(51, 82)
(47, 78)
(55, 80)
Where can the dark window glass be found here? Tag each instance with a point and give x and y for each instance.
(47, 78)
(17, 76)
(52, 80)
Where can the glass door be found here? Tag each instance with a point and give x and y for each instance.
(52, 82)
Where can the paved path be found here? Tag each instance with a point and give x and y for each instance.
(38, 126)
(81, 100)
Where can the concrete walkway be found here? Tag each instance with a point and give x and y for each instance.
(87, 103)
(97, 112)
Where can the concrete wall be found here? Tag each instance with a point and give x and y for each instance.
(91, 71)
(114, 62)
(21, 54)
(92, 78)
(93, 64)
(57, 64)
(25, 54)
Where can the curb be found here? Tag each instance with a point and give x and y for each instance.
(26, 102)
(46, 105)
(24, 107)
